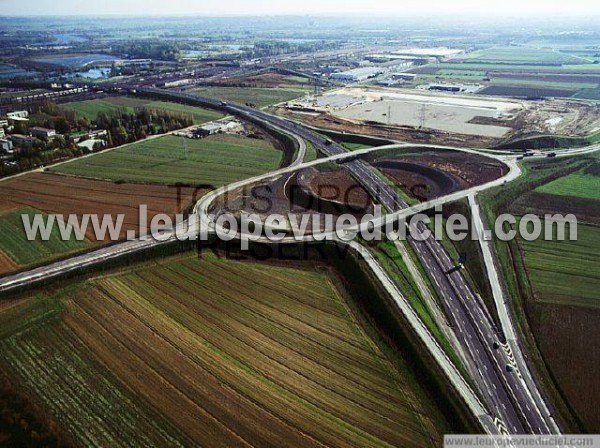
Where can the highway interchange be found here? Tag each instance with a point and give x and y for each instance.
(508, 400)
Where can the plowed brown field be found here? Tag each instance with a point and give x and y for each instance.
(6, 263)
(52, 193)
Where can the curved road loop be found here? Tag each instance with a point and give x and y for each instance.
(508, 400)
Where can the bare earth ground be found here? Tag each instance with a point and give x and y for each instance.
(586, 210)
(326, 121)
(569, 339)
(7, 264)
(451, 120)
(433, 174)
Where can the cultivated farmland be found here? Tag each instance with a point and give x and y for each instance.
(520, 55)
(553, 267)
(90, 108)
(272, 357)
(17, 250)
(578, 184)
(64, 195)
(531, 92)
(216, 160)
(555, 283)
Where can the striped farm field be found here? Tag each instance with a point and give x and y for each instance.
(218, 353)
(565, 272)
(579, 184)
(216, 160)
(16, 250)
(67, 195)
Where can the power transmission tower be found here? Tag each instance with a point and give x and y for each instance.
(184, 147)
(317, 91)
(422, 116)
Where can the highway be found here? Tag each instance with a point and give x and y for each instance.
(504, 390)
(510, 396)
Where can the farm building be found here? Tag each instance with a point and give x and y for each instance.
(218, 126)
(91, 144)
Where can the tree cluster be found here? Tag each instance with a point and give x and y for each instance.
(127, 127)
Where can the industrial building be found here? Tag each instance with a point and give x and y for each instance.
(357, 74)
(404, 76)
(177, 83)
(440, 53)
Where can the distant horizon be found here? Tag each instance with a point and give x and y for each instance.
(389, 9)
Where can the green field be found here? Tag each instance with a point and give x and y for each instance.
(578, 184)
(259, 96)
(588, 94)
(90, 108)
(520, 55)
(167, 353)
(565, 272)
(216, 160)
(514, 67)
(542, 83)
(14, 242)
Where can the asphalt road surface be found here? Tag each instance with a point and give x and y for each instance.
(507, 396)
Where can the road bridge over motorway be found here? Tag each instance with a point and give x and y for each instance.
(510, 400)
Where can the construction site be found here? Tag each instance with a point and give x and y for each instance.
(444, 118)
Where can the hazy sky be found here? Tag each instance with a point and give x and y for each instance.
(258, 7)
